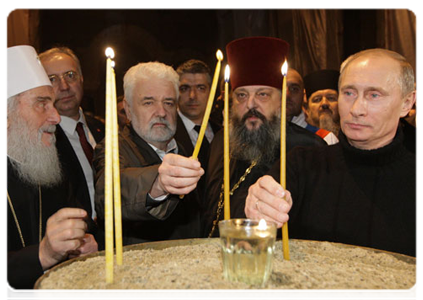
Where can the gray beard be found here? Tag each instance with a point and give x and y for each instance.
(326, 122)
(157, 135)
(35, 163)
(259, 144)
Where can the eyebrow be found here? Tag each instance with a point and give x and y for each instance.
(44, 98)
(348, 87)
(378, 89)
(367, 89)
(153, 98)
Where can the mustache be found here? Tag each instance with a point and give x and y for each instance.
(253, 113)
(159, 120)
(48, 128)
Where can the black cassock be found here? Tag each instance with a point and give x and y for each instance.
(296, 136)
(23, 265)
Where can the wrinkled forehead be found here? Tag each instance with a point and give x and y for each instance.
(59, 63)
(325, 92)
(254, 88)
(374, 66)
(45, 92)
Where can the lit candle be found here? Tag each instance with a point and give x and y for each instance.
(219, 57)
(116, 174)
(226, 160)
(285, 242)
(108, 179)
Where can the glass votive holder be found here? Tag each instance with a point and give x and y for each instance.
(247, 250)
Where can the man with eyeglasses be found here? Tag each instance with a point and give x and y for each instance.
(77, 133)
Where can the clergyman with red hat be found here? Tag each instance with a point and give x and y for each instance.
(254, 129)
(44, 225)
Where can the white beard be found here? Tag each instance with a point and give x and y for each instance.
(36, 163)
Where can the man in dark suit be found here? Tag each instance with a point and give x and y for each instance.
(77, 133)
(194, 90)
(153, 168)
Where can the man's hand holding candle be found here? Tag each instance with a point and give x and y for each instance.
(268, 200)
(177, 175)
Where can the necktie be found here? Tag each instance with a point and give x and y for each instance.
(204, 150)
(86, 146)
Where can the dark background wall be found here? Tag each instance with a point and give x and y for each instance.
(317, 38)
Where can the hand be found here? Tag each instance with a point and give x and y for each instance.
(268, 200)
(65, 232)
(177, 175)
(89, 245)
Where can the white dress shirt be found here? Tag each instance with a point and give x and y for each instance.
(172, 146)
(193, 134)
(69, 127)
(300, 120)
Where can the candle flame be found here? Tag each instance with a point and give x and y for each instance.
(262, 224)
(219, 55)
(227, 72)
(110, 53)
(284, 68)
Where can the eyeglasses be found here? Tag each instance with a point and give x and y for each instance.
(69, 77)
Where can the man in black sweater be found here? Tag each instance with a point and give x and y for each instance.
(362, 190)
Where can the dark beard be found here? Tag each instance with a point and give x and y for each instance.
(258, 144)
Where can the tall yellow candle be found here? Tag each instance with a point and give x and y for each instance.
(285, 241)
(207, 112)
(203, 128)
(108, 184)
(116, 174)
(226, 159)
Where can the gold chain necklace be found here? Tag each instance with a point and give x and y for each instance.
(221, 203)
(16, 218)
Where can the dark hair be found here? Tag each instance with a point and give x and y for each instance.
(194, 66)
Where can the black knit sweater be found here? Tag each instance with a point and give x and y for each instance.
(361, 197)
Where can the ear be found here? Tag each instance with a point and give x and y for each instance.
(304, 97)
(408, 103)
(127, 109)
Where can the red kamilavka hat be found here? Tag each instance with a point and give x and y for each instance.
(256, 61)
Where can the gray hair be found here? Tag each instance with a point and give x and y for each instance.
(12, 104)
(406, 78)
(61, 50)
(146, 71)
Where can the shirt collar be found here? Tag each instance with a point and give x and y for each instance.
(189, 125)
(69, 124)
(172, 146)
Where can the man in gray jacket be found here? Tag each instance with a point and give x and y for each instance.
(153, 169)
